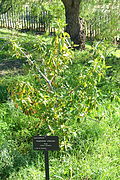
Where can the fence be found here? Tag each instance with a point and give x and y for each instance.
(27, 21)
(41, 22)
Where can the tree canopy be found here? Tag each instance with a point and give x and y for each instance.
(5, 5)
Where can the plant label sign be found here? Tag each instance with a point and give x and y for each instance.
(46, 143)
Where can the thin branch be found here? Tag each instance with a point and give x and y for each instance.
(47, 80)
(39, 71)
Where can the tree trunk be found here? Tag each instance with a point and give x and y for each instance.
(74, 24)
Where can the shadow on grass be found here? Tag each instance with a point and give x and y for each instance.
(11, 67)
(17, 161)
(9, 64)
(8, 59)
(3, 94)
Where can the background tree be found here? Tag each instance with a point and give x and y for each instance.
(74, 24)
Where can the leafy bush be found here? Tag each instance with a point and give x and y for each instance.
(60, 89)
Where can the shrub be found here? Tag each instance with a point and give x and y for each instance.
(60, 89)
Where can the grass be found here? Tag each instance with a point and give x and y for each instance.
(92, 151)
(95, 155)
(10, 62)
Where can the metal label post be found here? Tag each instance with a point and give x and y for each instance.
(46, 143)
(46, 165)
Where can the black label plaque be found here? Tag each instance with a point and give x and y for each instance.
(47, 143)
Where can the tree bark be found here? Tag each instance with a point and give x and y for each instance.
(74, 24)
